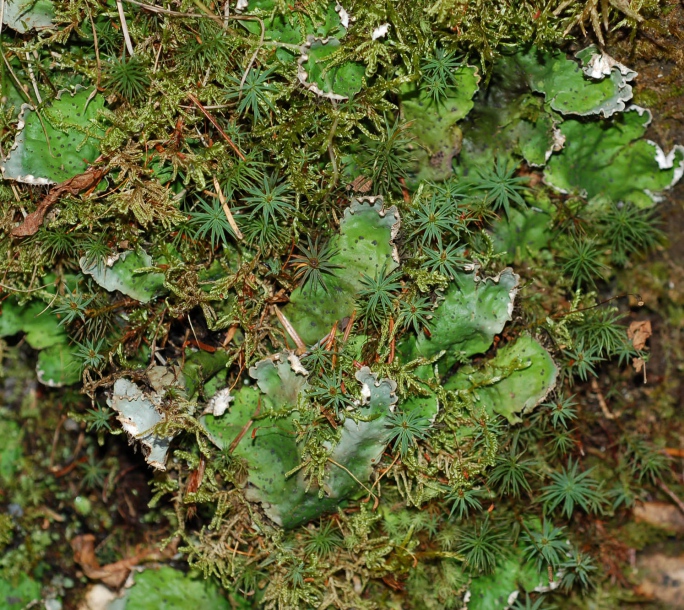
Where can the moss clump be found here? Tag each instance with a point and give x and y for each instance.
(284, 276)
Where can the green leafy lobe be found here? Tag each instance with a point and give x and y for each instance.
(271, 451)
(512, 383)
(434, 125)
(568, 90)
(363, 246)
(338, 82)
(61, 145)
(120, 275)
(610, 159)
(170, 589)
(57, 365)
(473, 311)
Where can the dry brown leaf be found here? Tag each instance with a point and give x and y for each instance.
(113, 574)
(360, 184)
(73, 186)
(638, 364)
(639, 332)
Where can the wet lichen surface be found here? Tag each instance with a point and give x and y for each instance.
(341, 305)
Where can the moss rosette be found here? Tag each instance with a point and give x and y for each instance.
(365, 244)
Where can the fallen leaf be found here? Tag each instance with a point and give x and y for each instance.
(113, 575)
(360, 184)
(638, 364)
(73, 186)
(639, 332)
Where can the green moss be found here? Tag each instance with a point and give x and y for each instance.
(341, 408)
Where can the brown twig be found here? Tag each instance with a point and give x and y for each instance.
(675, 498)
(404, 191)
(602, 401)
(245, 428)
(348, 328)
(301, 348)
(197, 103)
(331, 337)
(200, 345)
(226, 210)
(329, 342)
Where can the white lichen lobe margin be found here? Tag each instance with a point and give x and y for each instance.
(303, 75)
(667, 161)
(296, 364)
(380, 31)
(219, 403)
(343, 14)
(601, 65)
(139, 412)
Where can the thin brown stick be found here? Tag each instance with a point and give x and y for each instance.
(331, 337)
(330, 341)
(197, 103)
(602, 401)
(301, 348)
(675, 498)
(349, 326)
(124, 28)
(226, 210)
(245, 428)
(351, 474)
